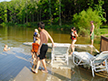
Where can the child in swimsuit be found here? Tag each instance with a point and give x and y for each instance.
(35, 33)
(73, 37)
(34, 50)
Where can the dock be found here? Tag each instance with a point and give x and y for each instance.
(15, 66)
(58, 65)
(63, 65)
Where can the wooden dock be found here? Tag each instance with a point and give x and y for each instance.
(12, 62)
(15, 66)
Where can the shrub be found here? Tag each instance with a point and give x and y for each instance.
(82, 21)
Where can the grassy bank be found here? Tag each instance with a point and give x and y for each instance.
(104, 30)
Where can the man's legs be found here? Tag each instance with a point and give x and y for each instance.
(44, 65)
(92, 42)
(43, 51)
(92, 39)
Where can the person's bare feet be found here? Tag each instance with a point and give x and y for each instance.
(34, 71)
(71, 53)
(91, 45)
(44, 71)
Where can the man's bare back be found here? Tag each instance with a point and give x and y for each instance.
(44, 36)
(92, 27)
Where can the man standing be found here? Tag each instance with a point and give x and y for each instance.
(92, 33)
(44, 36)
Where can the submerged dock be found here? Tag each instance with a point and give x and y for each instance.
(15, 66)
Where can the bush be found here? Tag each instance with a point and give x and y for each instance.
(82, 21)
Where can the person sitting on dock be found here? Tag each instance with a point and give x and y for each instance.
(34, 50)
(6, 48)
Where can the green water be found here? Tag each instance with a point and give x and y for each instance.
(15, 36)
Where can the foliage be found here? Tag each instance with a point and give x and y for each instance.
(103, 31)
(82, 21)
(99, 8)
(24, 11)
(28, 12)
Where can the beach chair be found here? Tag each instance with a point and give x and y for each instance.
(59, 54)
(96, 62)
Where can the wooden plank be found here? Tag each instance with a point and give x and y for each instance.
(16, 69)
(104, 44)
(13, 63)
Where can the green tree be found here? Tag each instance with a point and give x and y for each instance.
(82, 21)
(99, 8)
(50, 11)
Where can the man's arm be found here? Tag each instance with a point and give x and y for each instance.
(38, 52)
(51, 39)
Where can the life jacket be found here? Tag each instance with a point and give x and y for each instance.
(35, 47)
(73, 37)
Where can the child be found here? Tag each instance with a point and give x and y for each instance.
(35, 33)
(6, 48)
(74, 36)
(34, 50)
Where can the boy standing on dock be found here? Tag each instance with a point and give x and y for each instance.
(92, 33)
(44, 36)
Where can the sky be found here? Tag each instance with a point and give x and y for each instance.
(4, 0)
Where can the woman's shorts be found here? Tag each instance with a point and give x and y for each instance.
(74, 40)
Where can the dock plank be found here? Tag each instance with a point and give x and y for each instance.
(16, 69)
(12, 63)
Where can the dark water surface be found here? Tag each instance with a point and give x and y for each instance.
(16, 36)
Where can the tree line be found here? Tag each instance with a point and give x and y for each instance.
(54, 11)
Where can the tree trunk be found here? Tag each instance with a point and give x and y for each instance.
(40, 14)
(26, 13)
(50, 12)
(60, 12)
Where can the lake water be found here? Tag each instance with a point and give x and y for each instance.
(16, 36)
